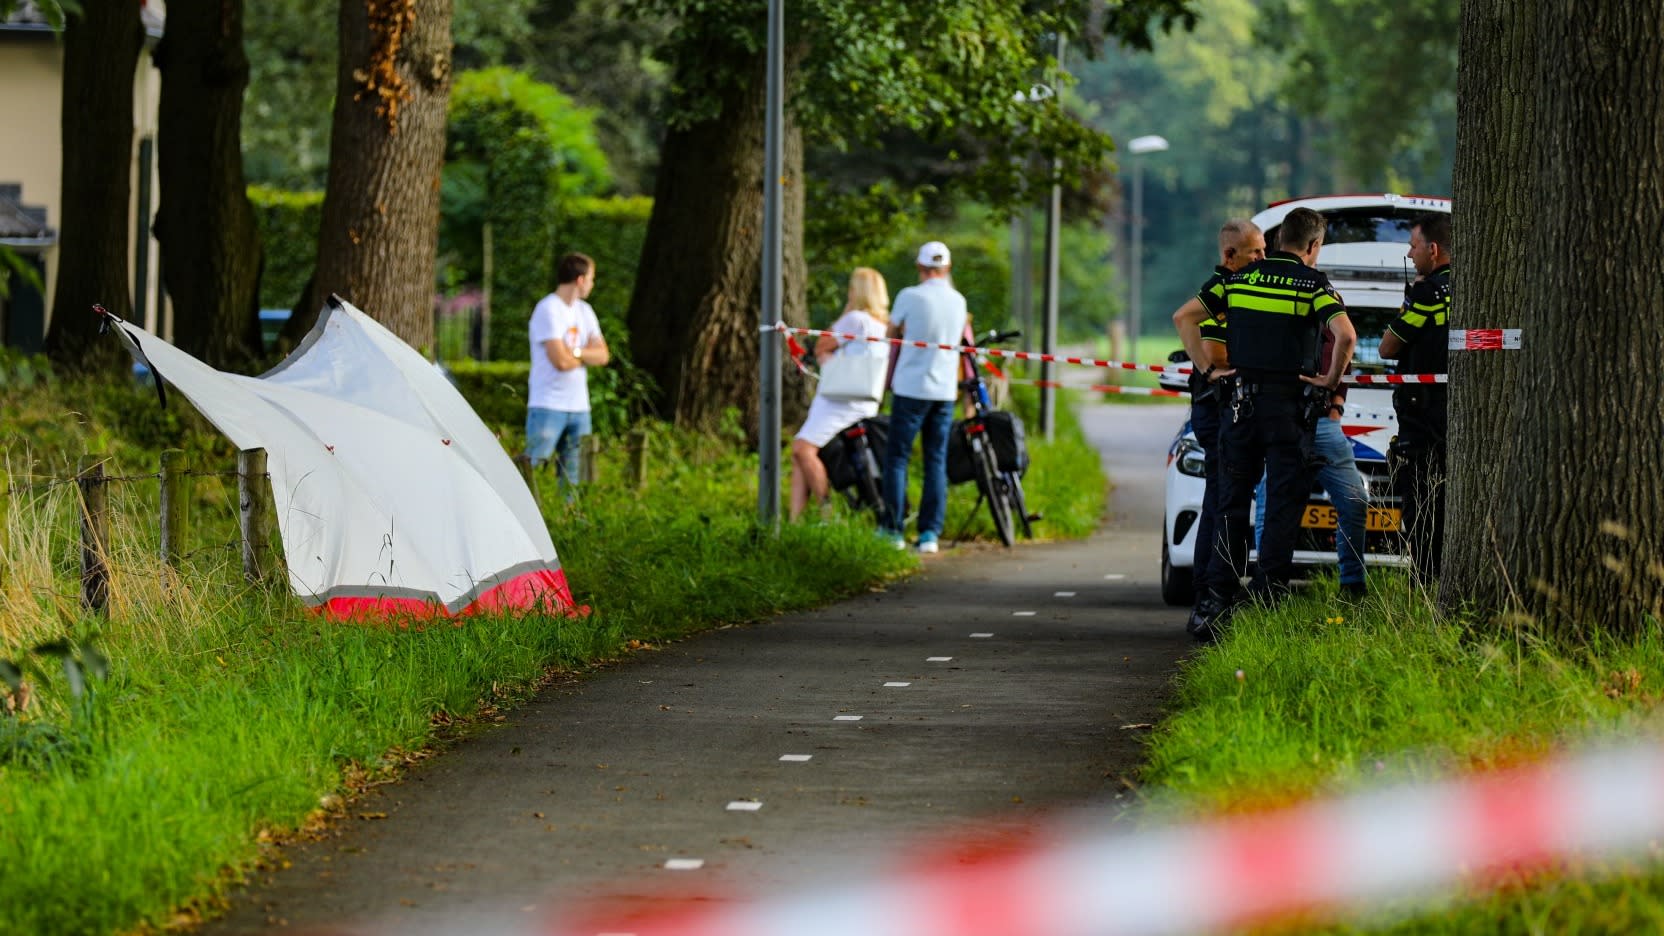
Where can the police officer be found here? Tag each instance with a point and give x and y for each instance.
(1201, 325)
(1276, 308)
(1418, 341)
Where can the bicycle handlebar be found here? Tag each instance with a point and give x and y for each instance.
(995, 336)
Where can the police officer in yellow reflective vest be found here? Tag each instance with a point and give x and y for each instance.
(1419, 341)
(1201, 326)
(1276, 310)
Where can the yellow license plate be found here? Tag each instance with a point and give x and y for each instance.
(1322, 517)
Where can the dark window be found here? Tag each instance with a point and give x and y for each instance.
(1378, 223)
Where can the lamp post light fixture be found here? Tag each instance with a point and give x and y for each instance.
(1138, 146)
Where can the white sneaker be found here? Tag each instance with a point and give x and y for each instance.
(928, 547)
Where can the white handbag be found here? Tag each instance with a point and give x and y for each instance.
(855, 372)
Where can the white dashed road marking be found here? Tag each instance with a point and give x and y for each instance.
(684, 864)
(897, 685)
(846, 718)
(982, 634)
(796, 758)
(744, 806)
(1063, 594)
(937, 659)
(1024, 613)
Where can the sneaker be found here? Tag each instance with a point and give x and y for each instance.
(893, 538)
(927, 544)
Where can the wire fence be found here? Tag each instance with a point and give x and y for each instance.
(93, 486)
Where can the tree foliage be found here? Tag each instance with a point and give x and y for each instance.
(292, 51)
(1238, 140)
(1391, 101)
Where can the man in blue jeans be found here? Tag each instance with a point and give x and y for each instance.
(1336, 468)
(1337, 473)
(923, 391)
(565, 342)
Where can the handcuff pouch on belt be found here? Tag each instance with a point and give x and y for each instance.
(1314, 405)
(1240, 397)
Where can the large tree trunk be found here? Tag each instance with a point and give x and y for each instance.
(1555, 449)
(101, 53)
(380, 228)
(694, 315)
(210, 245)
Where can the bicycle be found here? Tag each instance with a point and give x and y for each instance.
(854, 461)
(1000, 485)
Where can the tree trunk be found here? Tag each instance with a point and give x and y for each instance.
(695, 312)
(101, 54)
(380, 231)
(210, 245)
(1555, 454)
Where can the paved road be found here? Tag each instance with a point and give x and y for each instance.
(589, 790)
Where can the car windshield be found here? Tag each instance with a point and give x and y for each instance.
(1370, 324)
(1377, 223)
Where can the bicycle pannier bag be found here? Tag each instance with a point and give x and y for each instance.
(1005, 429)
(855, 372)
(839, 454)
(1004, 432)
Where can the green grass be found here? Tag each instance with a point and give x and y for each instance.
(1333, 697)
(232, 715)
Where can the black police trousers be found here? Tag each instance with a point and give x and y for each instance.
(1205, 422)
(1418, 481)
(1264, 437)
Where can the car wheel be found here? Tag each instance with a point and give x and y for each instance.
(1176, 586)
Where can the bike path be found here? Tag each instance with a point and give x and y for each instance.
(1052, 651)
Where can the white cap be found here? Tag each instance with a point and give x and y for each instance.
(934, 254)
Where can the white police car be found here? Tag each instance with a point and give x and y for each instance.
(1364, 254)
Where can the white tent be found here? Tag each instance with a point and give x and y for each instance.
(391, 496)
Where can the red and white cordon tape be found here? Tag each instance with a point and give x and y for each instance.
(1330, 856)
(1484, 339)
(797, 352)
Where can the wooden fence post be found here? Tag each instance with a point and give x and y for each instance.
(95, 534)
(523, 462)
(173, 510)
(254, 505)
(589, 452)
(638, 457)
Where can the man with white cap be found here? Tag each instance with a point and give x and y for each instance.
(924, 388)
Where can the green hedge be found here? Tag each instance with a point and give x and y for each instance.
(289, 223)
(497, 392)
(610, 231)
(515, 148)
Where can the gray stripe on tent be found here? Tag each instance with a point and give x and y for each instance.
(468, 597)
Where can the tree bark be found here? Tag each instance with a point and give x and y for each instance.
(380, 231)
(1555, 506)
(211, 246)
(696, 308)
(101, 54)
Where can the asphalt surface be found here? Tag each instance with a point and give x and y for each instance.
(1057, 657)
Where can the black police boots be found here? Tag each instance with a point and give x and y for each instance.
(1207, 619)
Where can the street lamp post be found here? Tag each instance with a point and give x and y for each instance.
(1138, 146)
(768, 358)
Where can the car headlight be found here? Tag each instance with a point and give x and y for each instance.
(1191, 459)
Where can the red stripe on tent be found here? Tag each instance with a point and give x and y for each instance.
(544, 589)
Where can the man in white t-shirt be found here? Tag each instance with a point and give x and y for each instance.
(924, 388)
(566, 341)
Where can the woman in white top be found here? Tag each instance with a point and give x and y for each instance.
(867, 314)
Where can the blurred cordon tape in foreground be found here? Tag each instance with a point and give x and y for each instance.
(1326, 856)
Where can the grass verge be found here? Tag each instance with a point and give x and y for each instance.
(1333, 696)
(231, 716)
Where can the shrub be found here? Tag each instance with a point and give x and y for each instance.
(611, 231)
(515, 147)
(289, 223)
